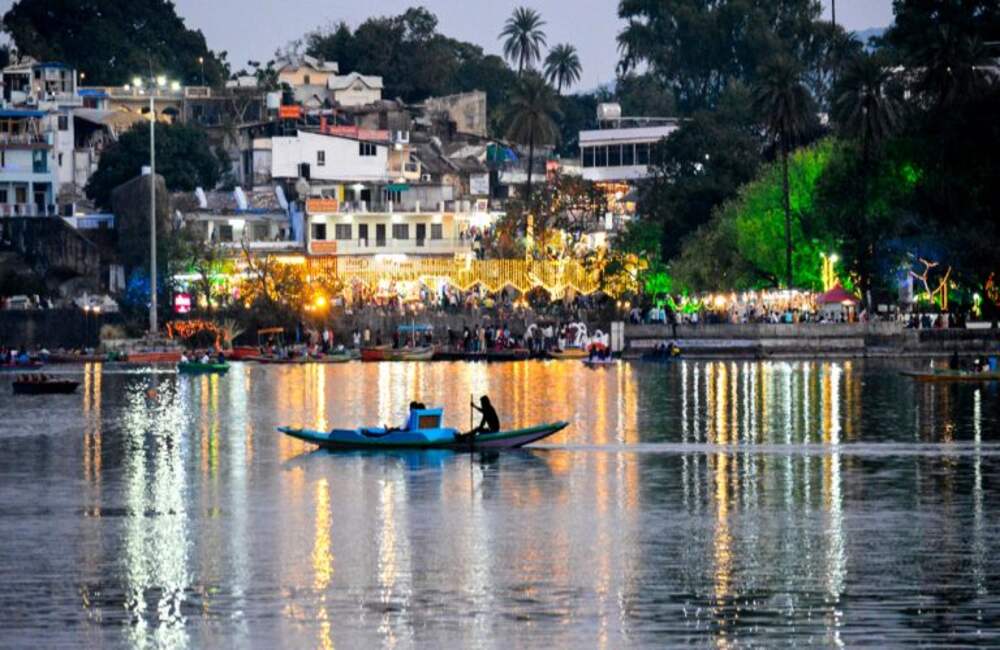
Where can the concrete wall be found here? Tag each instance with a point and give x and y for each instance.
(466, 110)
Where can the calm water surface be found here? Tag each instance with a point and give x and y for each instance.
(762, 504)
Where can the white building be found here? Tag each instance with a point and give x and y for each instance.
(620, 149)
(355, 89)
(318, 157)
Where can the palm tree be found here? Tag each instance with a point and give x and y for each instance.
(523, 38)
(783, 101)
(562, 66)
(532, 107)
(866, 111)
(952, 66)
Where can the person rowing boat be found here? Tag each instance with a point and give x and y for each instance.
(490, 422)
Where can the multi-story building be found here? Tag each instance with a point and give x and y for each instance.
(29, 175)
(619, 150)
(309, 78)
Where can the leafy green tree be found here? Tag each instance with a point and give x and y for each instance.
(784, 103)
(532, 109)
(642, 94)
(701, 165)
(866, 111)
(562, 66)
(112, 41)
(183, 157)
(523, 38)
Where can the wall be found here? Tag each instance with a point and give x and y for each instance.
(357, 95)
(466, 110)
(52, 328)
(343, 161)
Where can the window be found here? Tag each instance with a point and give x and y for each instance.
(628, 155)
(3, 197)
(225, 233)
(600, 156)
(588, 156)
(395, 196)
(642, 153)
(366, 149)
(259, 232)
(615, 155)
(319, 231)
(3, 158)
(64, 122)
(400, 231)
(437, 232)
(342, 231)
(39, 161)
(60, 160)
(320, 158)
(305, 79)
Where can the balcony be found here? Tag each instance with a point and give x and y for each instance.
(28, 210)
(375, 246)
(23, 139)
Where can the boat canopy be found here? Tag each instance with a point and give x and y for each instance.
(407, 329)
(271, 330)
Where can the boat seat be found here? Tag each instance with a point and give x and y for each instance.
(424, 419)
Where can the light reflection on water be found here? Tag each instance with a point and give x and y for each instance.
(704, 502)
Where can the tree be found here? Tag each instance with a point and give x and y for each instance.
(699, 166)
(562, 66)
(532, 107)
(866, 111)
(696, 48)
(784, 103)
(523, 38)
(183, 157)
(112, 41)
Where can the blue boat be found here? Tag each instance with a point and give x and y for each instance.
(424, 430)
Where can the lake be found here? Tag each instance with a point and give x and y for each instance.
(698, 503)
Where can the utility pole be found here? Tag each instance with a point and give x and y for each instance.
(152, 211)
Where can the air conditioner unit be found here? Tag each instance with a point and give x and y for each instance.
(425, 178)
(401, 137)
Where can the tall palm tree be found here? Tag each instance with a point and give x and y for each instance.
(866, 111)
(783, 102)
(953, 66)
(562, 66)
(532, 107)
(523, 38)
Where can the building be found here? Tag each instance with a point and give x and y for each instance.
(261, 221)
(355, 89)
(30, 83)
(619, 150)
(309, 79)
(29, 174)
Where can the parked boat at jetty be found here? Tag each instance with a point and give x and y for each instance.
(943, 375)
(198, 368)
(43, 385)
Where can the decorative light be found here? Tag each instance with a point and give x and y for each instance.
(137, 81)
(175, 86)
(161, 81)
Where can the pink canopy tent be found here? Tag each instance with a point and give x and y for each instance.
(837, 295)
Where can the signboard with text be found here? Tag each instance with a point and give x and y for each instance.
(479, 184)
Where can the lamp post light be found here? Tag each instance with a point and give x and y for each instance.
(153, 84)
(201, 62)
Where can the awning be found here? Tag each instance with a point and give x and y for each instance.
(836, 295)
(17, 113)
(397, 187)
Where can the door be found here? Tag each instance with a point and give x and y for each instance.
(380, 234)
(421, 233)
(363, 235)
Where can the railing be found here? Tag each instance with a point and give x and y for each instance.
(28, 210)
(375, 246)
(13, 139)
(264, 245)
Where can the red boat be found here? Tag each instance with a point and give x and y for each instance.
(242, 352)
(154, 357)
(377, 353)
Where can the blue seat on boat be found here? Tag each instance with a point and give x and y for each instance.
(423, 419)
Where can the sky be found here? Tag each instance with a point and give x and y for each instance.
(253, 29)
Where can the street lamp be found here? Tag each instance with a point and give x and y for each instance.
(152, 83)
(201, 62)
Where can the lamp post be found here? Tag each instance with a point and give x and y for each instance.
(153, 84)
(201, 62)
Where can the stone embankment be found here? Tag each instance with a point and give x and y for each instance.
(877, 339)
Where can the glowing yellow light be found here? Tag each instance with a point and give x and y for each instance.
(320, 302)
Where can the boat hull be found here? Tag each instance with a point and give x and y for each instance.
(45, 387)
(202, 368)
(952, 376)
(440, 439)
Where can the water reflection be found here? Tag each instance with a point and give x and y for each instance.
(697, 503)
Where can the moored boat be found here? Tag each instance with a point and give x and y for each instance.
(43, 386)
(569, 353)
(425, 431)
(410, 354)
(942, 375)
(196, 367)
(375, 353)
